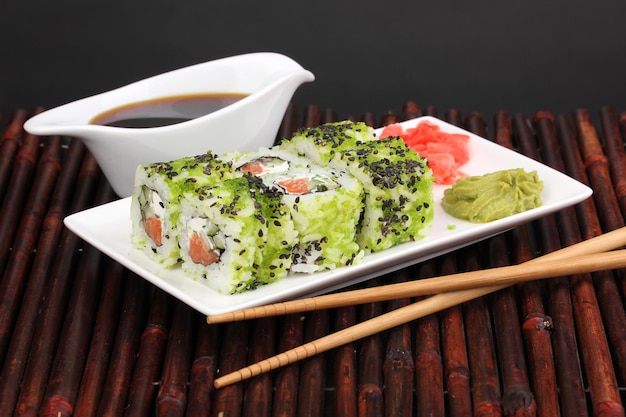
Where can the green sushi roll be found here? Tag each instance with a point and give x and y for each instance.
(325, 206)
(155, 201)
(235, 236)
(398, 184)
(399, 202)
(322, 143)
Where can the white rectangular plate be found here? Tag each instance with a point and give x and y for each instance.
(108, 227)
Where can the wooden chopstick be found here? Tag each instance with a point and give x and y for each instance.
(461, 281)
(587, 256)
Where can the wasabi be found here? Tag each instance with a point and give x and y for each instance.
(482, 199)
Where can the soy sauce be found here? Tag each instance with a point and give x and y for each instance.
(166, 110)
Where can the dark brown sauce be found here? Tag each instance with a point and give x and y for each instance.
(166, 110)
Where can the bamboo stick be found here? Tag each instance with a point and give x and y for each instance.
(9, 145)
(411, 110)
(203, 371)
(172, 396)
(150, 357)
(564, 342)
(539, 325)
(258, 392)
(293, 393)
(54, 303)
(12, 284)
(97, 362)
(607, 217)
(452, 116)
(13, 203)
(614, 147)
(597, 166)
(115, 391)
(431, 110)
(429, 387)
(454, 348)
(370, 119)
(313, 371)
(486, 395)
(345, 372)
(399, 366)
(233, 355)
(517, 397)
(71, 353)
(312, 116)
(329, 115)
(19, 345)
(389, 118)
(370, 383)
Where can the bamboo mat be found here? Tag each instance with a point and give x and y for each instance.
(80, 335)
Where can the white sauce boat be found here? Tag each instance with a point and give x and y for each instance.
(269, 79)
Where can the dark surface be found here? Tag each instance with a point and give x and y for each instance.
(484, 55)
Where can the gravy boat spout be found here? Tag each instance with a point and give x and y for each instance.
(266, 80)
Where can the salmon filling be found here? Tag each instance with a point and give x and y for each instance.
(306, 185)
(154, 229)
(200, 252)
(206, 243)
(152, 213)
(265, 165)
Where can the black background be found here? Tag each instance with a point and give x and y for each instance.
(519, 56)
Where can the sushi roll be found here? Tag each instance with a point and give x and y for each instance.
(322, 143)
(235, 236)
(155, 198)
(325, 206)
(398, 183)
(399, 202)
